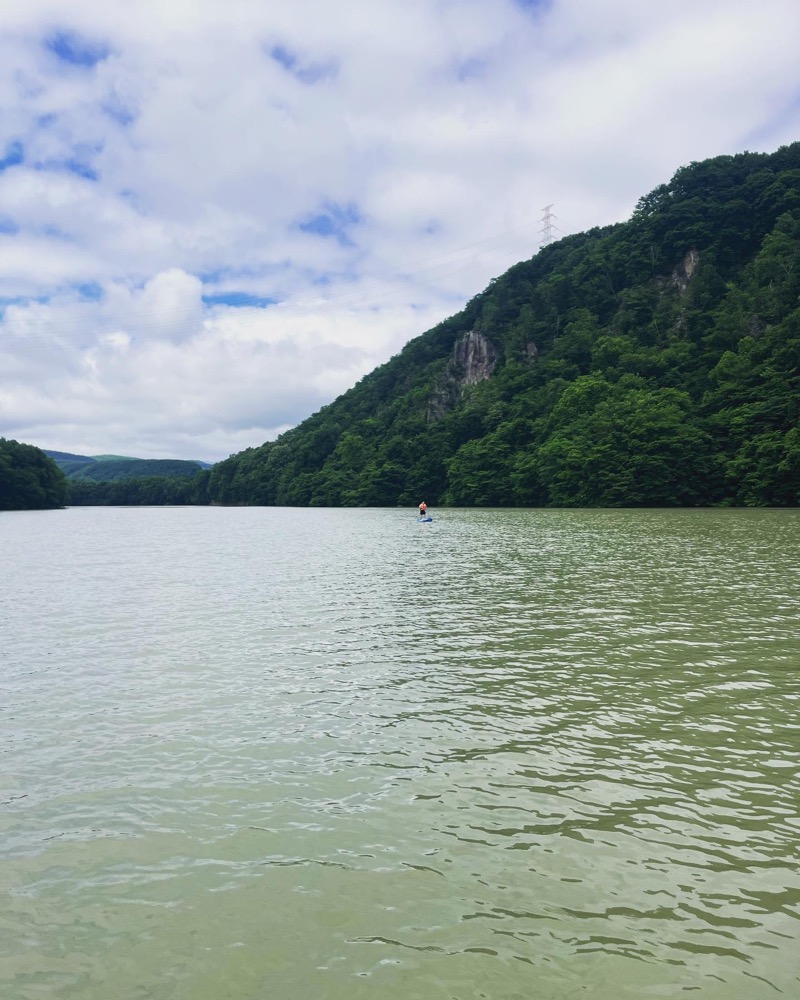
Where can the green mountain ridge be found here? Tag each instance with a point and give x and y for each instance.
(649, 363)
(109, 468)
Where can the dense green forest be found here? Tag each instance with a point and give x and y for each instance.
(29, 480)
(650, 363)
(139, 491)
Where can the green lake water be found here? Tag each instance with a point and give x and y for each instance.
(287, 754)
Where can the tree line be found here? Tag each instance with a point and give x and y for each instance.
(139, 491)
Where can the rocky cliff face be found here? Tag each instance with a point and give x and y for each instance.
(474, 359)
(682, 274)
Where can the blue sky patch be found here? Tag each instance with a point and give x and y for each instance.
(534, 5)
(238, 300)
(333, 222)
(90, 291)
(72, 48)
(14, 155)
(19, 300)
(73, 165)
(8, 226)
(82, 169)
(232, 275)
(304, 72)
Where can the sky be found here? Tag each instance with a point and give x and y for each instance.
(216, 217)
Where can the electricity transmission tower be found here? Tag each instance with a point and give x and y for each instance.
(548, 226)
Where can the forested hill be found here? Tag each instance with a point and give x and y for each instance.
(29, 479)
(653, 362)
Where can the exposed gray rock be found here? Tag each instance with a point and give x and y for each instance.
(682, 274)
(474, 359)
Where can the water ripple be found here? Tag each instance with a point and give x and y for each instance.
(325, 753)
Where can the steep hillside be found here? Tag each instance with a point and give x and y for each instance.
(649, 363)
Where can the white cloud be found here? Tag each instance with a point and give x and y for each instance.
(370, 165)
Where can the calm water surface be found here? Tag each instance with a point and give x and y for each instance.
(287, 754)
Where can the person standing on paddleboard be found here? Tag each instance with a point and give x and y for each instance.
(423, 509)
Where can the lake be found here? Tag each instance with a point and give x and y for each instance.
(286, 754)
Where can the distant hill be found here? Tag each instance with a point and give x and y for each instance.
(66, 456)
(68, 463)
(110, 468)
